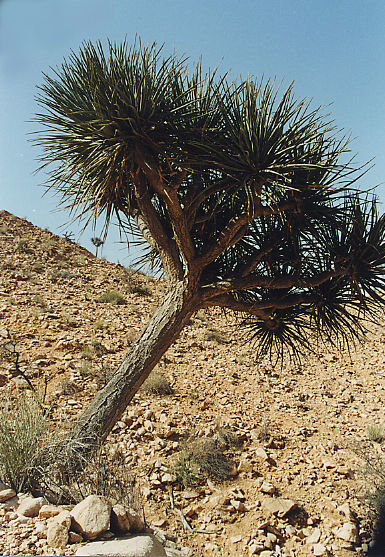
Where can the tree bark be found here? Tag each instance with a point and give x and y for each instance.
(105, 410)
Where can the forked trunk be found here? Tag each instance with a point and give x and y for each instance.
(105, 410)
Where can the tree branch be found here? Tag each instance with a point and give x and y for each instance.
(249, 266)
(238, 226)
(259, 307)
(169, 195)
(152, 229)
(260, 281)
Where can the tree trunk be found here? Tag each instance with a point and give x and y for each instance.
(105, 410)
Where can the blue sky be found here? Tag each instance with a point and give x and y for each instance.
(334, 51)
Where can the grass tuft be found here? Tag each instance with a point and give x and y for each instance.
(24, 434)
(112, 297)
(376, 433)
(157, 384)
(206, 458)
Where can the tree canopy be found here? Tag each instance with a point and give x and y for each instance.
(243, 193)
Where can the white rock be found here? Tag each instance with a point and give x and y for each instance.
(348, 532)
(346, 511)
(314, 536)
(319, 549)
(278, 505)
(30, 506)
(58, 529)
(48, 511)
(238, 505)
(136, 546)
(57, 535)
(40, 528)
(91, 517)
(267, 487)
(261, 453)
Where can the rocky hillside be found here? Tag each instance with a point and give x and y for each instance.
(298, 438)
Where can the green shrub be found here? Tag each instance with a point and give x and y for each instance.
(24, 435)
(85, 369)
(157, 384)
(112, 297)
(4, 229)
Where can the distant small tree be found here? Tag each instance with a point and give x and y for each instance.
(242, 196)
(98, 242)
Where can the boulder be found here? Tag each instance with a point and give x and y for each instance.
(135, 546)
(48, 511)
(124, 521)
(91, 517)
(58, 529)
(30, 506)
(6, 494)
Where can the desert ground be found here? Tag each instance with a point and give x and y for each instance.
(303, 440)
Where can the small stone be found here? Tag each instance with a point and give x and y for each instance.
(267, 487)
(236, 539)
(319, 549)
(41, 530)
(348, 532)
(261, 453)
(190, 494)
(212, 547)
(58, 529)
(328, 463)
(346, 511)
(279, 505)
(10, 516)
(160, 523)
(238, 505)
(74, 537)
(6, 494)
(314, 536)
(254, 548)
(48, 511)
(64, 517)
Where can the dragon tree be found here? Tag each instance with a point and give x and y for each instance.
(245, 196)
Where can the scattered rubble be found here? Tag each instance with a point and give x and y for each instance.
(296, 488)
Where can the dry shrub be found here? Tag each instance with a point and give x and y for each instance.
(24, 436)
(157, 384)
(99, 473)
(216, 336)
(112, 297)
(376, 433)
(206, 458)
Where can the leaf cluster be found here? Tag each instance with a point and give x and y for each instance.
(241, 186)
